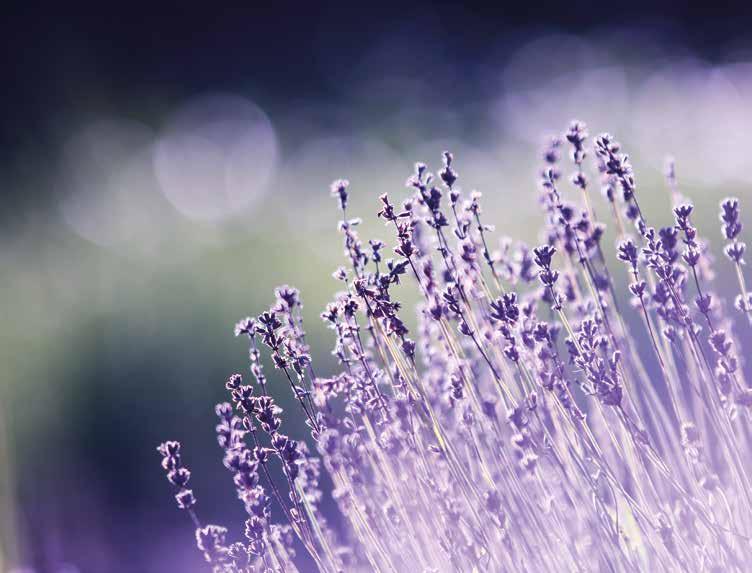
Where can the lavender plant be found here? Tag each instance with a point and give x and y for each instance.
(534, 421)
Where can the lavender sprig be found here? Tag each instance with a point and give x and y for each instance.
(618, 451)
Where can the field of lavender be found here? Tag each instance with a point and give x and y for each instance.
(550, 376)
(517, 428)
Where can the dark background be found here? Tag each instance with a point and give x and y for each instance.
(70, 58)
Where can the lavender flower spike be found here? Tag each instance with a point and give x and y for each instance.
(626, 440)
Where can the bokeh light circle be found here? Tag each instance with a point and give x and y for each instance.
(216, 156)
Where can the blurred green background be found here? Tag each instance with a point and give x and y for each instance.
(136, 230)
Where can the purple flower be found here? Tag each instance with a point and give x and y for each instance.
(211, 541)
(246, 326)
(616, 414)
(339, 190)
(730, 218)
(185, 499)
(447, 174)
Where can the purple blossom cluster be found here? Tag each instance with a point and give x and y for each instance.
(541, 416)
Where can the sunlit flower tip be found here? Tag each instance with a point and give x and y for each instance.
(234, 381)
(245, 326)
(577, 133)
(340, 274)
(169, 448)
(448, 174)
(420, 169)
(551, 152)
(290, 296)
(338, 189)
